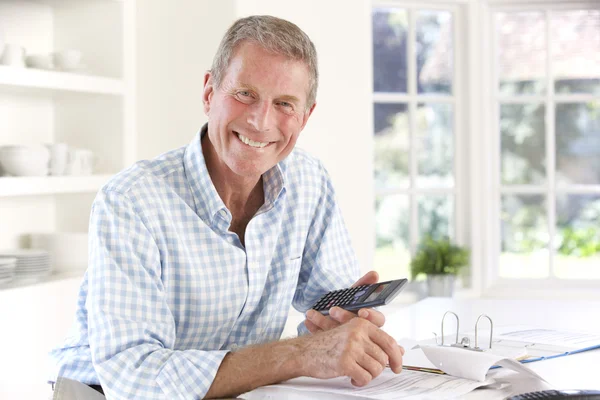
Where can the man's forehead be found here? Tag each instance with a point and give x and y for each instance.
(258, 69)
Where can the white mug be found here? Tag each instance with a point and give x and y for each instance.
(82, 162)
(59, 158)
(13, 55)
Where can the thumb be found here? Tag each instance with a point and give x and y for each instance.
(369, 278)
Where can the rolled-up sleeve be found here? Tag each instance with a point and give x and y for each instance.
(329, 261)
(132, 330)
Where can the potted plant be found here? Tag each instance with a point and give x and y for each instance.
(440, 261)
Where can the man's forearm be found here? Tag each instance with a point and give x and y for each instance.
(255, 366)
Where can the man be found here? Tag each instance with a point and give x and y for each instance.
(197, 255)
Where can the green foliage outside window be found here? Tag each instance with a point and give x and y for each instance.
(438, 257)
(580, 242)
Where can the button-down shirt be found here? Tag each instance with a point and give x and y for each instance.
(169, 290)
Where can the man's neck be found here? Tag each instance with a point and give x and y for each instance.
(242, 195)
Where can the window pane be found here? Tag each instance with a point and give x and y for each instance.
(524, 252)
(521, 52)
(436, 216)
(435, 145)
(523, 144)
(578, 143)
(392, 254)
(578, 237)
(434, 52)
(392, 145)
(390, 26)
(575, 39)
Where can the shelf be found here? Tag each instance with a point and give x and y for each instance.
(28, 186)
(37, 79)
(53, 277)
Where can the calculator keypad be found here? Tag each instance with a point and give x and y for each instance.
(340, 298)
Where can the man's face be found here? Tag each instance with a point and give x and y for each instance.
(257, 113)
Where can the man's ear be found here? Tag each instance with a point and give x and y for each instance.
(208, 91)
(307, 115)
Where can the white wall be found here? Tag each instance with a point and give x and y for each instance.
(340, 129)
(176, 41)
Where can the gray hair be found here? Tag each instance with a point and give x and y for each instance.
(273, 34)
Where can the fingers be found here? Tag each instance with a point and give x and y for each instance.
(340, 315)
(390, 347)
(376, 353)
(374, 316)
(359, 375)
(321, 321)
(312, 328)
(367, 279)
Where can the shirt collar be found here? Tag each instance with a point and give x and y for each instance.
(206, 199)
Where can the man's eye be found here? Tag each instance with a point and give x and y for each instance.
(244, 93)
(285, 104)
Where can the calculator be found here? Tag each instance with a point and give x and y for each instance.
(559, 394)
(365, 296)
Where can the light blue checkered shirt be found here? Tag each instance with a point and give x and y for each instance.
(169, 290)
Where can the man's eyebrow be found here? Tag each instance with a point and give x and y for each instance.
(285, 97)
(289, 98)
(246, 86)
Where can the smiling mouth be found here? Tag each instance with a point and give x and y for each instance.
(250, 142)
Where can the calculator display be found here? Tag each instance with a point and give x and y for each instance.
(376, 292)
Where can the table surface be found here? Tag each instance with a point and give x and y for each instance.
(578, 371)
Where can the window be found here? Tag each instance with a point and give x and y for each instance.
(415, 131)
(546, 102)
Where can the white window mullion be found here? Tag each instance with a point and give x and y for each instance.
(412, 108)
(550, 149)
(496, 185)
(459, 226)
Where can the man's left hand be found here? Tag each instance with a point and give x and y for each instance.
(317, 322)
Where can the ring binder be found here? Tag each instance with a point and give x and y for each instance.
(465, 342)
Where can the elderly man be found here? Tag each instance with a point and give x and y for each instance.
(197, 255)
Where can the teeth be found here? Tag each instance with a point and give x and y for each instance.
(252, 143)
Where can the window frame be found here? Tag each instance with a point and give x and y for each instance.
(490, 182)
(476, 159)
(458, 191)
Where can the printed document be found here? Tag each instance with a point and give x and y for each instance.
(408, 385)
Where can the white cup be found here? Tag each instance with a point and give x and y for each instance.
(13, 55)
(59, 158)
(82, 162)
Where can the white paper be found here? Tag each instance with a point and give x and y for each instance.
(407, 385)
(413, 355)
(470, 364)
(570, 340)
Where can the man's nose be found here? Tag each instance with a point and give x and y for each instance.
(260, 116)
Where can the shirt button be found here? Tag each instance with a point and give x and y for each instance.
(234, 347)
(223, 213)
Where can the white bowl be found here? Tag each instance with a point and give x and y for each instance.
(67, 59)
(41, 61)
(25, 161)
(68, 250)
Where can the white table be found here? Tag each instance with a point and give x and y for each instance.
(419, 321)
(577, 371)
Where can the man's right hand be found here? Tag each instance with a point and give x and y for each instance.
(357, 349)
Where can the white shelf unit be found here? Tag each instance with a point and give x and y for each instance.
(34, 80)
(93, 108)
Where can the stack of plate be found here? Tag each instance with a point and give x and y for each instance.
(31, 264)
(7, 269)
